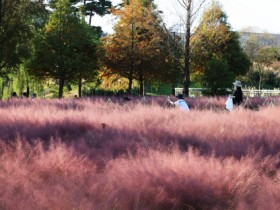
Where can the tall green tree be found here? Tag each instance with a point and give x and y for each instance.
(89, 7)
(86, 61)
(214, 39)
(136, 49)
(17, 21)
(92, 7)
(217, 76)
(65, 49)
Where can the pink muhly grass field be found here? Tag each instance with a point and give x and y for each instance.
(100, 154)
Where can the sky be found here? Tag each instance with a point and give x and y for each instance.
(262, 16)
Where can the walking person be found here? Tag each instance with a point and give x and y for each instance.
(235, 99)
(237, 94)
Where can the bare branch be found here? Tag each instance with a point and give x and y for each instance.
(183, 4)
(198, 8)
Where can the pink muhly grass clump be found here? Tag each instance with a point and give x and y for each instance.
(175, 180)
(98, 129)
(227, 134)
(95, 154)
(34, 178)
(55, 177)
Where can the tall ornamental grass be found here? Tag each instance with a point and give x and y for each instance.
(101, 153)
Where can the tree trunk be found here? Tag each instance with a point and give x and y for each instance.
(2, 87)
(80, 86)
(260, 81)
(90, 17)
(142, 88)
(186, 83)
(61, 85)
(28, 91)
(130, 85)
(0, 11)
(260, 78)
(132, 54)
(141, 81)
(173, 90)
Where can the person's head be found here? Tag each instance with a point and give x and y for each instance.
(14, 94)
(34, 95)
(237, 85)
(180, 96)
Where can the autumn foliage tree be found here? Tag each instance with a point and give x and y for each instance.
(137, 48)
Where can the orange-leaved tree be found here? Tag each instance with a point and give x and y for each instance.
(137, 49)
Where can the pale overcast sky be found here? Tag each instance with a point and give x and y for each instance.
(259, 14)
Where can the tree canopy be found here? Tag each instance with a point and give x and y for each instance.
(65, 49)
(263, 51)
(17, 20)
(214, 39)
(53, 41)
(137, 49)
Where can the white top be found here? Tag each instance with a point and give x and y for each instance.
(181, 103)
(229, 103)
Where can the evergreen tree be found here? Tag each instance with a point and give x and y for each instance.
(100, 7)
(65, 49)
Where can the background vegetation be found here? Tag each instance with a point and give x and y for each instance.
(54, 48)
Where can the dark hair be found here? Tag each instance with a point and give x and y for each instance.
(180, 96)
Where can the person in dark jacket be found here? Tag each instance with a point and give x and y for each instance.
(237, 94)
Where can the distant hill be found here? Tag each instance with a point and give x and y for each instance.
(267, 39)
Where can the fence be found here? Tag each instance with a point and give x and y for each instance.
(260, 93)
(195, 92)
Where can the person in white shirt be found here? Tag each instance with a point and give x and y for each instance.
(180, 103)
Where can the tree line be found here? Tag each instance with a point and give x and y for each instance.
(56, 42)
